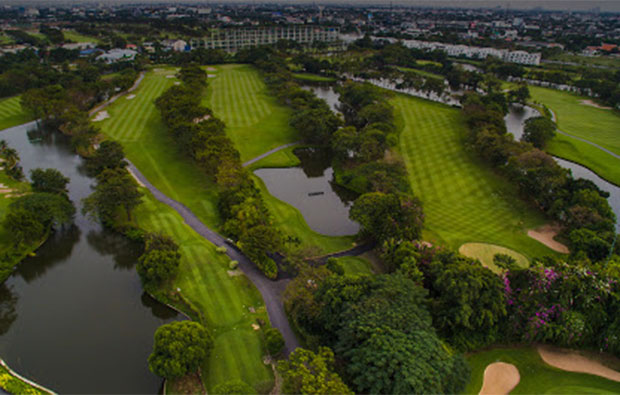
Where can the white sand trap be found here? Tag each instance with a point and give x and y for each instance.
(211, 75)
(170, 76)
(158, 70)
(101, 115)
(136, 178)
(200, 119)
(572, 362)
(211, 69)
(500, 378)
(593, 104)
(129, 97)
(545, 235)
(177, 83)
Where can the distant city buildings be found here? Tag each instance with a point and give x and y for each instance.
(233, 39)
(117, 55)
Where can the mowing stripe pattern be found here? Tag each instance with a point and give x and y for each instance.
(12, 114)
(463, 200)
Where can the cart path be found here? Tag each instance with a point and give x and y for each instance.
(266, 154)
(270, 290)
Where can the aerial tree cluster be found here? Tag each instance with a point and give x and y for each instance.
(578, 204)
(160, 260)
(202, 136)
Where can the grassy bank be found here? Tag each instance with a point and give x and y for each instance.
(464, 200)
(15, 385)
(223, 300)
(255, 122)
(307, 77)
(136, 124)
(536, 376)
(12, 114)
(597, 125)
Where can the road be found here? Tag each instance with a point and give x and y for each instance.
(271, 291)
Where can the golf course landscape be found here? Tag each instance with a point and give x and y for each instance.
(578, 116)
(12, 114)
(463, 200)
(536, 377)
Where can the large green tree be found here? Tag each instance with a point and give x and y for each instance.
(538, 131)
(115, 189)
(109, 155)
(180, 348)
(48, 180)
(308, 373)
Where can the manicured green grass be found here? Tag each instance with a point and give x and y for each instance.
(485, 253)
(283, 158)
(290, 221)
(136, 124)
(255, 122)
(463, 199)
(12, 113)
(355, 265)
(313, 77)
(79, 37)
(222, 300)
(536, 376)
(14, 385)
(597, 125)
(587, 155)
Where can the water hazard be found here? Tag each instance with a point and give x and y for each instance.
(74, 318)
(310, 188)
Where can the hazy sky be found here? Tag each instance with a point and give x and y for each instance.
(604, 5)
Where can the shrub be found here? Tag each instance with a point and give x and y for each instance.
(233, 265)
(334, 266)
(221, 249)
(233, 387)
(274, 342)
(269, 268)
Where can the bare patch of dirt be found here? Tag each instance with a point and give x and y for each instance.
(545, 234)
(500, 378)
(571, 361)
(200, 119)
(594, 104)
(211, 69)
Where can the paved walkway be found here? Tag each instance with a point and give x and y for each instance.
(554, 119)
(113, 98)
(270, 290)
(266, 154)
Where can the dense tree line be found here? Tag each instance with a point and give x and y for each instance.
(202, 136)
(576, 203)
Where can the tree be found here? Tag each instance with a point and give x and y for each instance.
(158, 266)
(50, 210)
(384, 216)
(519, 95)
(274, 342)
(315, 125)
(538, 131)
(110, 155)
(48, 180)
(23, 226)
(308, 373)
(115, 189)
(180, 348)
(233, 387)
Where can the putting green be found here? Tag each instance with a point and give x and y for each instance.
(597, 125)
(464, 200)
(222, 300)
(536, 376)
(12, 114)
(255, 122)
(485, 253)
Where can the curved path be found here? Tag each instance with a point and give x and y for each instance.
(270, 290)
(554, 119)
(266, 154)
(115, 97)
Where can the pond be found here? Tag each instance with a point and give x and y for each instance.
(515, 121)
(310, 188)
(74, 318)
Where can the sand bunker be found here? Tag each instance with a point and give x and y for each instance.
(101, 115)
(136, 178)
(129, 97)
(211, 75)
(170, 76)
(545, 235)
(200, 119)
(211, 69)
(499, 378)
(177, 83)
(571, 361)
(593, 104)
